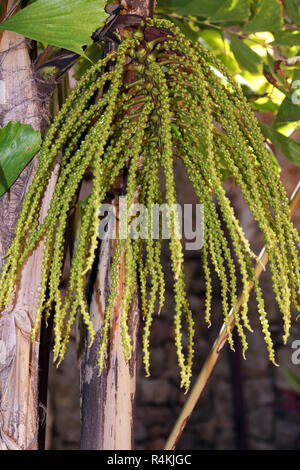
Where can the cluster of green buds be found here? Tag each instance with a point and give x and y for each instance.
(155, 99)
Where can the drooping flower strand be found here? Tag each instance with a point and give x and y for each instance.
(29, 216)
(177, 105)
(91, 150)
(280, 278)
(200, 184)
(114, 164)
(267, 177)
(165, 141)
(130, 262)
(211, 215)
(256, 206)
(150, 261)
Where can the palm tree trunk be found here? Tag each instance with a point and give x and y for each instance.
(18, 354)
(107, 402)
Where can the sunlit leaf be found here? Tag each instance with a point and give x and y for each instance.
(18, 144)
(246, 57)
(230, 62)
(288, 147)
(93, 53)
(232, 11)
(268, 17)
(265, 106)
(185, 28)
(287, 38)
(68, 24)
(213, 38)
(292, 8)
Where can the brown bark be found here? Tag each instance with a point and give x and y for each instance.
(107, 402)
(140, 7)
(18, 354)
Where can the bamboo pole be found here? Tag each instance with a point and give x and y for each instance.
(218, 346)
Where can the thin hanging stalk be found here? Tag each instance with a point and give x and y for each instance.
(219, 343)
(107, 401)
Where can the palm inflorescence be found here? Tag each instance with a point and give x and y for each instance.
(142, 106)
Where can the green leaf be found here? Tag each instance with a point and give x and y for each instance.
(68, 24)
(93, 54)
(230, 63)
(212, 38)
(288, 147)
(232, 11)
(200, 8)
(292, 8)
(265, 106)
(18, 144)
(170, 5)
(183, 25)
(287, 38)
(246, 57)
(293, 379)
(268, 17)
(289, 110)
